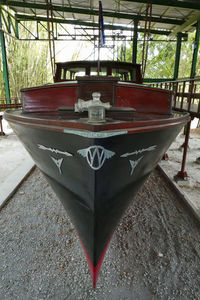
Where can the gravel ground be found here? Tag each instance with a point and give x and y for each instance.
(191, 186)
(154, 253)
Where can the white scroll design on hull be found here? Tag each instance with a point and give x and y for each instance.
(151, 148)
(96, 156)
(134, 163)
(42, 147)
(58, 163)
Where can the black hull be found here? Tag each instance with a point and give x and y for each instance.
(96, 187)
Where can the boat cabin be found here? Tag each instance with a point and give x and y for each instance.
(118, 83)
(68, 71)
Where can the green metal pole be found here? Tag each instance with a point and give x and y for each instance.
(16, 29)
(9, 24)
(178, 55)
(195, 52)
(5, 65)
(135, 35)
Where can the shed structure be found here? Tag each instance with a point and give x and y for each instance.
(172, 18)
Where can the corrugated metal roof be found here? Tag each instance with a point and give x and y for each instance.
(166, 15)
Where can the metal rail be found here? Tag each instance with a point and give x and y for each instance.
(186, 99)
(14, 103)
(186, 94)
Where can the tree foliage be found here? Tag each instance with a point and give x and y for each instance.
(161, 57)
(28, 64)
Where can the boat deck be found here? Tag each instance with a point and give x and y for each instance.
(69, 119)
(65, 115)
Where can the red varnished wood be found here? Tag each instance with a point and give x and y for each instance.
(103, 84)
(49, 97)
(143, 99)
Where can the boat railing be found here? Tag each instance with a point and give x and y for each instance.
(13, 102)
(186, 94)
(186, 99)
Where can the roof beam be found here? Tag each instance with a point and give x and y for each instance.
(186, 25)
(21, 17)
(172, 3)
(89, 12)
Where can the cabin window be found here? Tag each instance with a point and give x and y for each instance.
(132, 75)
(94, 71)
(67, 74)
(62, 74)
(122, 74)
(125, 73)
(76, 72)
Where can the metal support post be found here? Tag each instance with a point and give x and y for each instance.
(165, 156)
(37, 29)
(178, 54)
(50, 27)
(195, 52)
(182, 175)
(5, 65)
(135, 36)
(16, 29)
(194, 58)
(9, 23)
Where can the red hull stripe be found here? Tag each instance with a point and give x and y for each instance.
(94, 270)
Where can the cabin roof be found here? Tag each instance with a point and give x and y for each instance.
(167, 15)
(104, 63)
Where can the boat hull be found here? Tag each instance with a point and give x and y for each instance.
(96, 175)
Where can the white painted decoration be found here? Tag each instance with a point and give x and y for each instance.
(42, 147)
(134, 163)
(58, 163)
(151, 148)
(96, 156)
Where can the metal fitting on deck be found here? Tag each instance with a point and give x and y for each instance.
(96, 108)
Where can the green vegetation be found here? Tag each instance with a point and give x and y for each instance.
(161, 57)
(28, 64)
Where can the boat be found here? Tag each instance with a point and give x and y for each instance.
(96, 134)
